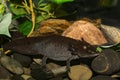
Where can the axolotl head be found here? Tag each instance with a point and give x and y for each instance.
(84, 49)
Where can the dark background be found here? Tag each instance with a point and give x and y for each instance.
(90, 9)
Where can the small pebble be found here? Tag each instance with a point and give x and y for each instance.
(80, 72)
(57, 78)
(27, 77)
(27, 71)
(24, 60)
(4, 74)
(17, 77)
(11, 64)
(41, 74)
(102, 77)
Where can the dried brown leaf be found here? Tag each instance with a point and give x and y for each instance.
(86, 30)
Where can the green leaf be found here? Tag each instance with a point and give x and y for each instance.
(99, 49)
(44, 16)
(39, 19)
(5, 23)
(1, 8)
(25, 27)
(17, 10)
(61, 1)
(46, 8)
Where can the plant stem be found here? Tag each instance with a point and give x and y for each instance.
(33, 17)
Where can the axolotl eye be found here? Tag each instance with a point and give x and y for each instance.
(84, 47)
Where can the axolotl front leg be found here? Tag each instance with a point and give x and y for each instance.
(68, 62)
(44, 60)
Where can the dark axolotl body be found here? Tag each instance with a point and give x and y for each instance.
(55, 47)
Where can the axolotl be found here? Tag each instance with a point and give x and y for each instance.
(54, 47)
